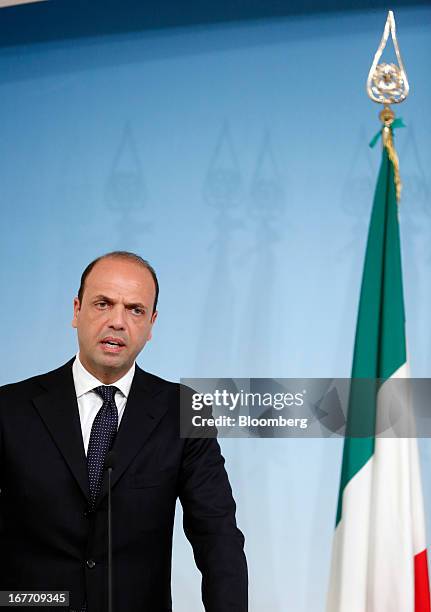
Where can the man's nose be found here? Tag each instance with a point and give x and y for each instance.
(118, 317)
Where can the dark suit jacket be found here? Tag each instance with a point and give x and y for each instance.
(49, 540)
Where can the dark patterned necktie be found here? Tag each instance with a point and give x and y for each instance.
(102, 436)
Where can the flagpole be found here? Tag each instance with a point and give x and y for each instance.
(379, 556)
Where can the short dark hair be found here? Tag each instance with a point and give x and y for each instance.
(127, 255)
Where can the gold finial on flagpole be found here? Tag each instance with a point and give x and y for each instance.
(388, 84)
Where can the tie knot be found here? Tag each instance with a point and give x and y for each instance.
(107, 393)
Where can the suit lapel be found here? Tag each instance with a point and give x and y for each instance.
(143, 412)
(58, 408)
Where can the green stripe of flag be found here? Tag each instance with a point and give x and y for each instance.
(380, 347)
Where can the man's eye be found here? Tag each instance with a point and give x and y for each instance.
(137, 311)
(101, 305)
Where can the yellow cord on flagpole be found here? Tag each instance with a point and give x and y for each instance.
(387, 117)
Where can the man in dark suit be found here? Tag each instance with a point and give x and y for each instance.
(55, 432)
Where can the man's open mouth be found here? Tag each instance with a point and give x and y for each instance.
(113, 342)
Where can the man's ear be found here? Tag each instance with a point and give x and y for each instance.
(76, 309)
(153, 320)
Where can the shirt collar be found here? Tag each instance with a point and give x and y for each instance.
(85, 382)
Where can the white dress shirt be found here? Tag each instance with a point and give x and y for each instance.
(89, 402)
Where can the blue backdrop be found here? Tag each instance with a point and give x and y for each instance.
(234, 157)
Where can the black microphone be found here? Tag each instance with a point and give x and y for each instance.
(110, 461)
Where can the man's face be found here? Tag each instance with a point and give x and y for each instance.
(115, 318)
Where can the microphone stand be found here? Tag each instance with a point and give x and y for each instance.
(109, 541)
(109, 464)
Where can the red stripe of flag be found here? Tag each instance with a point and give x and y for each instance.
(422, 587)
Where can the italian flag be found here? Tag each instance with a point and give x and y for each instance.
(379, 557)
